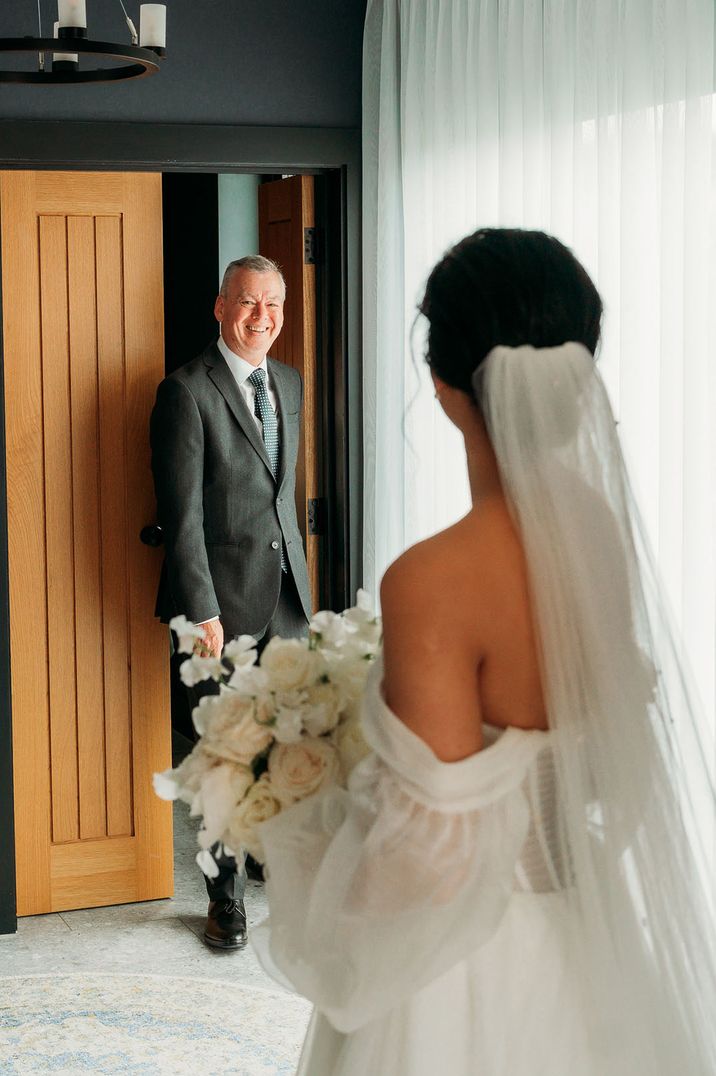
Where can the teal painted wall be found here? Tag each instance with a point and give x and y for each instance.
(238, 218)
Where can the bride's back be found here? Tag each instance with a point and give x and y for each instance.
(509, 687)
(460, 648)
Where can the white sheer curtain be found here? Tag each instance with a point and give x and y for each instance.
(593, 120)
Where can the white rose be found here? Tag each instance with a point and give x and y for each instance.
(350, 742)
(260, 803)
(236, 735)
(261, 707)
(288, 725)
(289, 700)
(290, 665)
(323, 708)
(249, 680)
(299, 769)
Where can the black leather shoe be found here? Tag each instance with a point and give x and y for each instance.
(226, 925)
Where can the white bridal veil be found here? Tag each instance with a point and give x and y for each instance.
(633, 777)
(379, 890)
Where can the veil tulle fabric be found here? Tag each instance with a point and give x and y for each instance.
(634, 784)
(545, 904)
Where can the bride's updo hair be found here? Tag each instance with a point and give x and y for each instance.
(505, 286)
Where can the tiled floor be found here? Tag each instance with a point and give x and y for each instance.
(157, 937)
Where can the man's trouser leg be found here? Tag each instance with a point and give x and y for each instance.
(289, 620)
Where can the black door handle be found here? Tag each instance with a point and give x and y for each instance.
(152, 534)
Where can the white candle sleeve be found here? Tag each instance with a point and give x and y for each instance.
(72, 56)
(153, 26)
(72, 13)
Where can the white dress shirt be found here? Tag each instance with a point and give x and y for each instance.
(242, 371)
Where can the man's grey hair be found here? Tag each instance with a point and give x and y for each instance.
(255, 263)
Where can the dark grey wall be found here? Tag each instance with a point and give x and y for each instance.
(255, 62)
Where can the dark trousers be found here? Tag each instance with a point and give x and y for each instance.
(288, 621)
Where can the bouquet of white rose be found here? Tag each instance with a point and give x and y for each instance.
(279, 729)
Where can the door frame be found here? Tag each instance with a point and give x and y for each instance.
(49, 145)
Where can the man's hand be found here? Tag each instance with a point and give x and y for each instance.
(213, 642)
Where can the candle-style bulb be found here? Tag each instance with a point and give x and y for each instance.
(153, 26)
(72, 13)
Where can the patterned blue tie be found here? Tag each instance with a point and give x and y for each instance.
(269, 426)
(269, 423)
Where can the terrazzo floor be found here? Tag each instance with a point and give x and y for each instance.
(160, 937)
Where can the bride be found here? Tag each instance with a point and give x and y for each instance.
(514, 883)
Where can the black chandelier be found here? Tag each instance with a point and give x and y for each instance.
(141, 57)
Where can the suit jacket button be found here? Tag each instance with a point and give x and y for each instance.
(274, 545)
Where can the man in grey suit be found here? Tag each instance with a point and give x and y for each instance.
(224, 436)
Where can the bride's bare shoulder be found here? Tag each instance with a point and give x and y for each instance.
(454, 567)
(448, 603)
(432, 640)
(426, 564)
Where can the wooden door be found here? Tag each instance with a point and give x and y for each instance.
(286, 212)
(83, 350)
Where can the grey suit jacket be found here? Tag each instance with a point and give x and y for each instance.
(223, 514)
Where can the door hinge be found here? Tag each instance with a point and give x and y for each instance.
(316, 510)
(310, 246)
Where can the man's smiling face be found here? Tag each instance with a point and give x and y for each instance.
(251, 313)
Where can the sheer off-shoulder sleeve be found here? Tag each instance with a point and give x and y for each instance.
(378, 889)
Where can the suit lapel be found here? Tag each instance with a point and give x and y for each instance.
(224, 380)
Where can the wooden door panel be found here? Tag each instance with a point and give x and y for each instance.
(81, 193)
(113, 533)
(286, 210)
(85, 493)
(83, 321)
(58, 530)
(107, 870)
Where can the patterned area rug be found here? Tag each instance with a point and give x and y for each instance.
(144, 1024)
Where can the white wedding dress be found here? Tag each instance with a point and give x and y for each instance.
(423, 912)
(545, 907)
